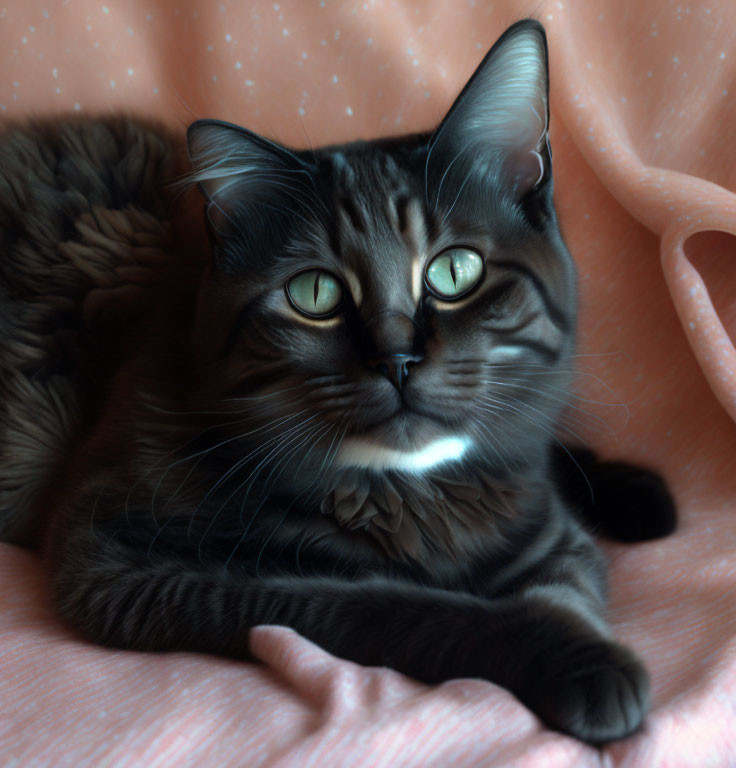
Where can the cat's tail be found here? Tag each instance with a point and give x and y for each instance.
(82, 220)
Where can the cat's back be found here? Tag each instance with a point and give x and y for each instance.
(84, 225)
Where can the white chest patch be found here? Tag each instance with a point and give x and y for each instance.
(366, 454)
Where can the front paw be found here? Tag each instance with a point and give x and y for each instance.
(597, 693)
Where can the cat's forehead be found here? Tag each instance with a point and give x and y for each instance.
(369, 175)
(379, 190)
(379, 226)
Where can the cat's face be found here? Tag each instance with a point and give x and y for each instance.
(392, 305)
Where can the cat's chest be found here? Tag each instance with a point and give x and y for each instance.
(423, 521)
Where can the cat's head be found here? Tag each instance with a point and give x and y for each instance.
(391, 305)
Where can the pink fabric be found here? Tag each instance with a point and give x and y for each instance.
(645, 173)
(65, 703)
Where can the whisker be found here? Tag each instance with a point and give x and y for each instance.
(244, 534)
(564, 402)
(457, 197)
(241, 462)
(620, 353)
(491, 437)
(247, 527)
(283, 461)
(251, 477)
(442, 180)
(553, 436)
(269, 537)
(573, 394)
(170, 453)
(260, 397)
(227, 411)
(265, 494)
(265, 428)
(506, 404)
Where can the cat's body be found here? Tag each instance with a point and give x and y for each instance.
(199, 453)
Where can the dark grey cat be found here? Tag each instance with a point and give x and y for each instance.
(342, 421)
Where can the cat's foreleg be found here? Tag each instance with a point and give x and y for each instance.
(554, 657)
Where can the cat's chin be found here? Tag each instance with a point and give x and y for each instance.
(378, 455)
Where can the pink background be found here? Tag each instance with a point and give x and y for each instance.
(644, 139)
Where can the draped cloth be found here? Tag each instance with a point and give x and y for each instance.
(643, 130)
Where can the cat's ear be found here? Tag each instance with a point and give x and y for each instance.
(243, 175)
(499, 122)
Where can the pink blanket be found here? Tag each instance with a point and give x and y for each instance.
(644, 136)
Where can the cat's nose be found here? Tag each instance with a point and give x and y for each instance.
(395, 367)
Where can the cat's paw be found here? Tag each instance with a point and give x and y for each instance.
(632, 503)
(597, 694)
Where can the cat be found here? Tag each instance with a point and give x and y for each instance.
(336, 413)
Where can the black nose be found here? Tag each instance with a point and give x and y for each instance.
(395, 367)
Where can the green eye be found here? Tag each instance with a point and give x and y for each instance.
(314, 293)
(453, 273)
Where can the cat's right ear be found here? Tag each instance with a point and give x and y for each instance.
(498, 125)
(243, 176)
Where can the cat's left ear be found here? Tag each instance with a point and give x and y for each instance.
(245, 178)
(499, 122)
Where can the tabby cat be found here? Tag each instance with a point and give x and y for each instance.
(339, 414)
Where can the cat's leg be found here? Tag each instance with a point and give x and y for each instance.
(614, 499)
(571, 671)
(544, 647)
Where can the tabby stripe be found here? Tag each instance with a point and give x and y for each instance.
(555, 313)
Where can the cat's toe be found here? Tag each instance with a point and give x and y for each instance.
(598, 695)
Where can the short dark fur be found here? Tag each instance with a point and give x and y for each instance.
(172, 434)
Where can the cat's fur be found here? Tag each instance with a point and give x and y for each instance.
(198, 458)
